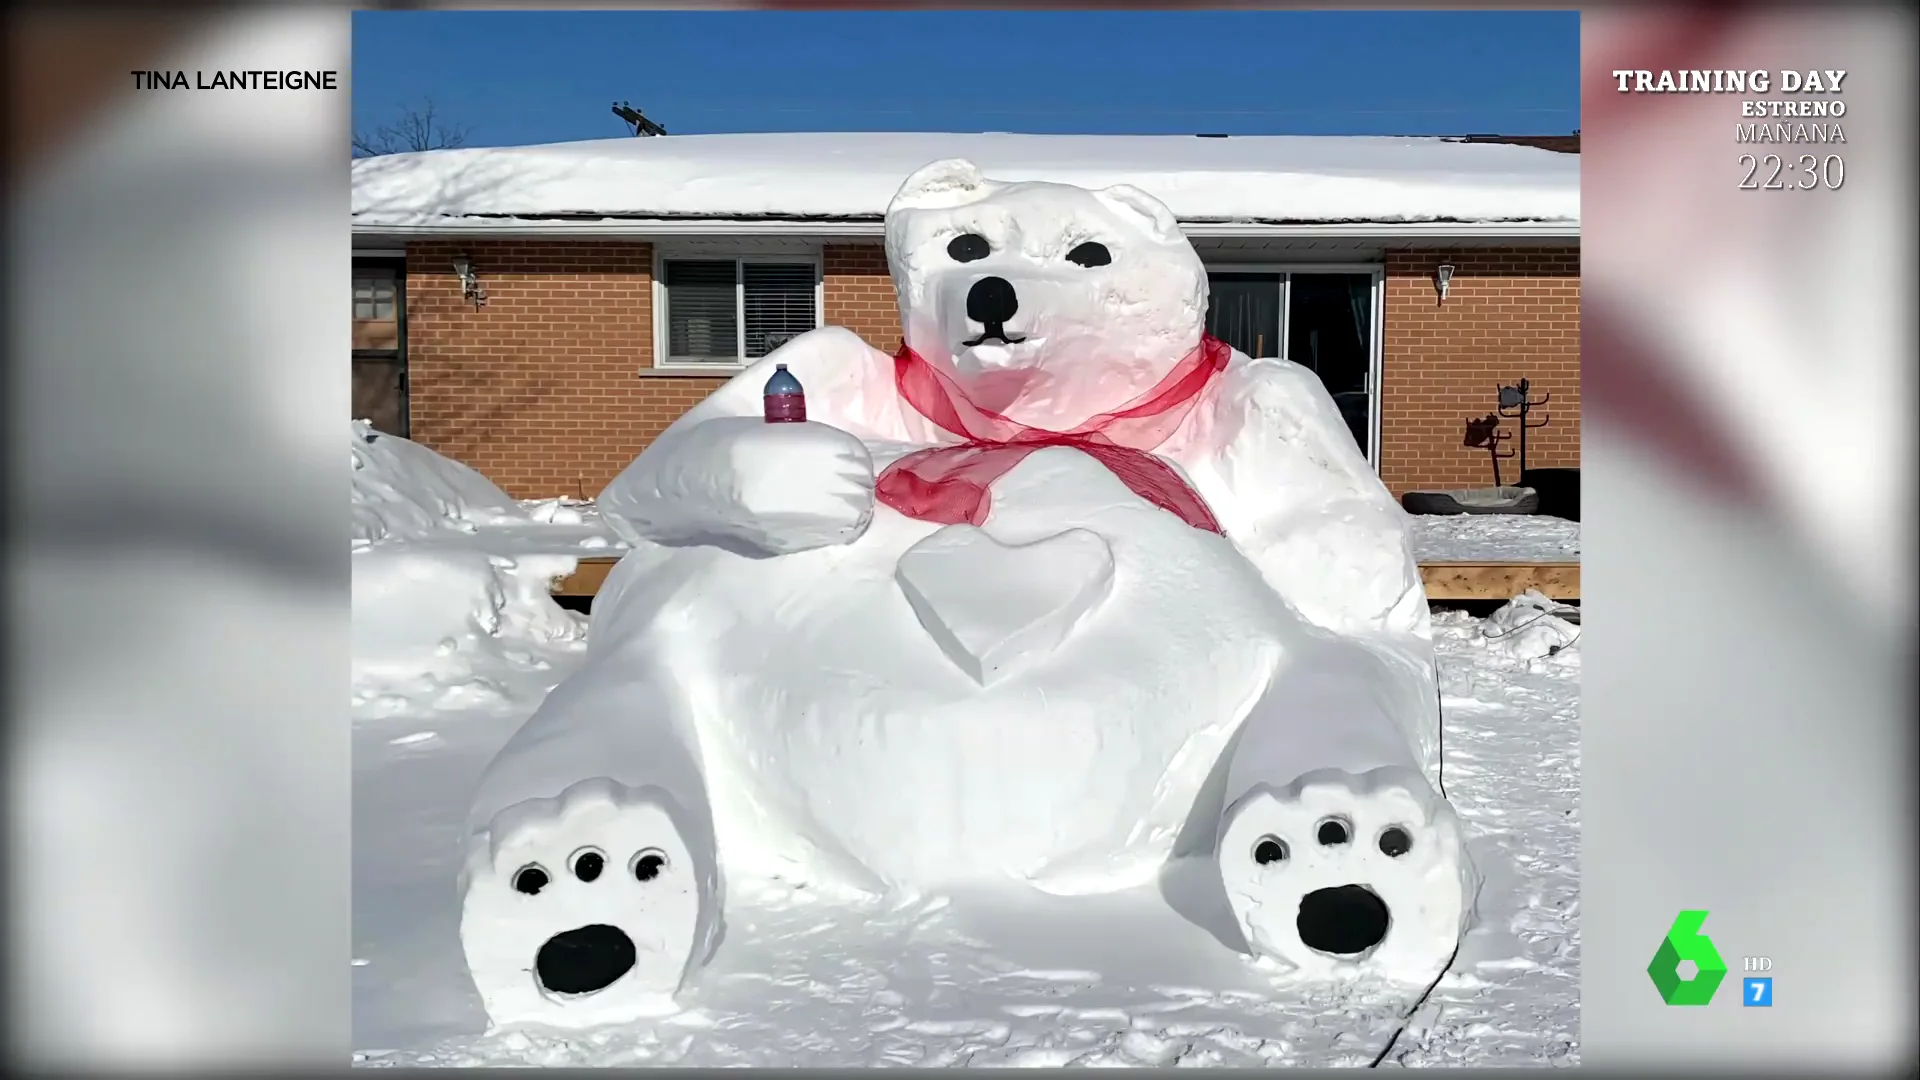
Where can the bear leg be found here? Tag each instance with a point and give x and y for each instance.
(591, 887)
(1336, 855)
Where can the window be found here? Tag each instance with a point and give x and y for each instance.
(735, 311)
(376, 308)
(374, 295)
(1243, 310)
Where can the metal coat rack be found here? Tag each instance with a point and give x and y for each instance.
(1515, 404)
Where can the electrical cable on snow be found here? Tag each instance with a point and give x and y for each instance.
(1510, 631)
(1440, 731)
(1552, 650)
(1440, 778)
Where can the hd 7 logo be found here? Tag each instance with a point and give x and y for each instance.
(1685, 942)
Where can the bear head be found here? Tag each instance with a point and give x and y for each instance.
(1047, 302)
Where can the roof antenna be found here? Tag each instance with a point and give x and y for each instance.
(640, 124)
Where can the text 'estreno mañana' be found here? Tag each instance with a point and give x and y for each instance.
(236, 80)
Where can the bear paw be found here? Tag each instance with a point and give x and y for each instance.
(1341, 875)
(583, 909)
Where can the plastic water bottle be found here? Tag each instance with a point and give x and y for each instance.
(785, 402)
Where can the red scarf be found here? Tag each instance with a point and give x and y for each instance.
(949, 484)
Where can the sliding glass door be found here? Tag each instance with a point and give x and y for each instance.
(1244, 310)
(1325, 319)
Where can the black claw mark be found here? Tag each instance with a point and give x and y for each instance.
(588, 866)
(648, 864)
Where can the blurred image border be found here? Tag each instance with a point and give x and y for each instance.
(1728, 669)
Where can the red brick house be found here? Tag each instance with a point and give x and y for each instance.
(540, 313)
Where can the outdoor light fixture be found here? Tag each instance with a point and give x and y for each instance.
(469, 281)
(1443, 277)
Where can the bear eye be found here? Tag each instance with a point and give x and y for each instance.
(968, 247)
(647, 864)
(530, 880)
(1269, 850)
(1090, 254)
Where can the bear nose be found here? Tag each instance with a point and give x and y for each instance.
(991, 301)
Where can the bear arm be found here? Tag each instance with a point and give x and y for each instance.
(848, 385)
(1298, 498)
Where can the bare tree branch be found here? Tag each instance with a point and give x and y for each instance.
(416, 129)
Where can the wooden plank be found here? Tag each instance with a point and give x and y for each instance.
(1500, 580)
(587, 578)
(1444, 580)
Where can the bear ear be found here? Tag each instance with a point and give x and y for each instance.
(1150, 213)
(948, 182)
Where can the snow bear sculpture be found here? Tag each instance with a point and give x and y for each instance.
(1066, 592)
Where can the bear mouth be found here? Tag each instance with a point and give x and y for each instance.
(994, 332)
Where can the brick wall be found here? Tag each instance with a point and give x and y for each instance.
(1510, 313)
(544, 388)
(538, 389)
(857, 293)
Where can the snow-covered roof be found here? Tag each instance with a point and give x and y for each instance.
(851, 176)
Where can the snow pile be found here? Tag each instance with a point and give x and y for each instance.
(434, 612)
(1531, 627)
(440, 621)
(1263, 178)
(803, 674)
(404, 491)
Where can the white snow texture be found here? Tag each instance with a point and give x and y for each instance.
(432, 607)
(404, 491)
(1295, 178)
(1083, 693)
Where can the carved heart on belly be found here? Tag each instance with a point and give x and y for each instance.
(994, 607)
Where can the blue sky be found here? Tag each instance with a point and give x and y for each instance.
(530, 77)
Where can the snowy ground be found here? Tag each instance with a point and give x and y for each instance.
(456, 643)
(1495, 538)
(829, 984)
